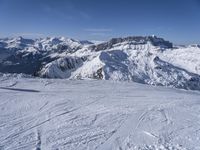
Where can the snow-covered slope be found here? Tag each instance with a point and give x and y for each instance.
(184, 57)
(149, 60)
(61, 68)
(49, 114)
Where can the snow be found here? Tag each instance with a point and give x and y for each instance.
(52, 114)
(50, 43)
(42, 44)
(187, 58)
(61, 68)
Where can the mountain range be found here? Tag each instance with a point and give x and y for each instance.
(144, 59)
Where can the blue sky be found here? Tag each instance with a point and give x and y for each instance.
(175, 20)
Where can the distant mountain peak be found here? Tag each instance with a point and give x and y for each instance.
(135, 40)
(195, 45)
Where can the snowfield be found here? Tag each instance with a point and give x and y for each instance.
(55, 114)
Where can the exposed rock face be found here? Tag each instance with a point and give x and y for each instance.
(137, 40)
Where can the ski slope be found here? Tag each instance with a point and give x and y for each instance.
(55, 114)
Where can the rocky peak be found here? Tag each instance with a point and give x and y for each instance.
(195, 45)
(155, 41)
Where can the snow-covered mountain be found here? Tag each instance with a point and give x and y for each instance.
(149, 60)
(19, 55)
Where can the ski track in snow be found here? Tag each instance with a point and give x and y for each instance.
(102, 115)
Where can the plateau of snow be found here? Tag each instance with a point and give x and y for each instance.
(58, 114)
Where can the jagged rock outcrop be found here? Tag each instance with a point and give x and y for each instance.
(137, 40)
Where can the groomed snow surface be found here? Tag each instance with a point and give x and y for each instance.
(50, 114)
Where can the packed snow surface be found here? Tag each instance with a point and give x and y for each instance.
(55, 114)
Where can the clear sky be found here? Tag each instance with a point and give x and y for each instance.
(175, 20)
